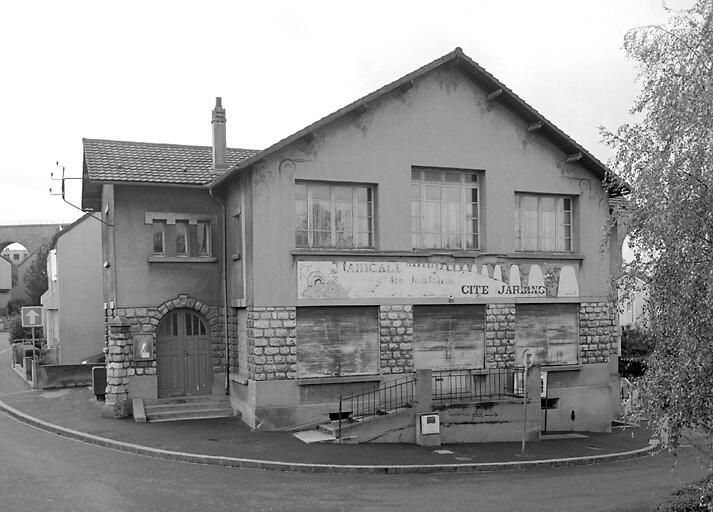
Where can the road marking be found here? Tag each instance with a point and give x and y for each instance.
(3, 351)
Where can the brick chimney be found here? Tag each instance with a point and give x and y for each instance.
(219, 162)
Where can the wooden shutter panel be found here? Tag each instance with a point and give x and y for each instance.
(337, 341)
(550, 330)
(449, 337)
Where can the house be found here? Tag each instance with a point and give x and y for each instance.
(632, 313)
(16, 253)
(73, 302)
(437, 224)
(5, 283)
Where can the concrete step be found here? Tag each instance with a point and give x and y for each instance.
(201, 414)
(314, 436)
(181, 407)
(186, 408)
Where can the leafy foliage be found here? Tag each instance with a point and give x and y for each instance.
(18, 332)
(14, 306)
(666, 157)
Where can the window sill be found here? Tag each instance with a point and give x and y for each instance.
(545, 256)
(181, 259)
(338, 380)
(375, 252)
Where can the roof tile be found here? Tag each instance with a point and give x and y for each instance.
(144, 162)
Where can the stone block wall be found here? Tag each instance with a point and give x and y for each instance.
(599, 332)
(272, 349)
(143, 322)
(499, 335)
(129, 326)
(396, 338)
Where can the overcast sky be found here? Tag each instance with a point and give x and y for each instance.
(150, 71)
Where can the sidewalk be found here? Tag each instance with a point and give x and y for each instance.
(228, 441)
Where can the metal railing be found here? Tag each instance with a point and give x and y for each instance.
(450, 386)
(391, 396)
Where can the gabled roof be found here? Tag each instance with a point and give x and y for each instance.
(145, 162)
(66, 229)
(492, 86)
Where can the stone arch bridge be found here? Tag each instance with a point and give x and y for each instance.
(32, 236)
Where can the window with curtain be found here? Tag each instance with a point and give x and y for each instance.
(444, 209)
(331, 215)
(543, 223)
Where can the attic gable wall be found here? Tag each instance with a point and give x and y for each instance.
(444, 120)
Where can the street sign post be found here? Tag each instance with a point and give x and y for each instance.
(528, 359)
(31, 317)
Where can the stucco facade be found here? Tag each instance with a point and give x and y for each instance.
(73, 302)
(295, 316)
(443, 121)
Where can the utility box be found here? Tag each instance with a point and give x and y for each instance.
(99, 382)
(430, 424)
(428, 429)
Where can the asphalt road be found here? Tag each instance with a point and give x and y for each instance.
(41, 471)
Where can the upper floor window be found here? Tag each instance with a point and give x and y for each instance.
(184, 236)
(543, 223)
(444, 209)
(159, 236)
(329, 215)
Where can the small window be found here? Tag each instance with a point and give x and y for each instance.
(183, 235)
(203, 238)
(159, 237)
(543, 223)
(329, 215)
(181, 238)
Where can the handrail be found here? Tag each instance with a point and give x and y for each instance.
(392, 396)
(447, 387)
(451, 386)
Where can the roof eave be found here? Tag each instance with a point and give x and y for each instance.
(483, 79)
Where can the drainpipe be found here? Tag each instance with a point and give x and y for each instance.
(224, 279)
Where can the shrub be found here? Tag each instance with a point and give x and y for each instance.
(14, 305)
(18, 332)
(691, 498)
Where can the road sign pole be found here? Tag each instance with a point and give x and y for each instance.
(524, 410)
(528, 359)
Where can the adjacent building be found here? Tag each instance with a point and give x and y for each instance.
(437, 223)
(5, 283)
(73, 303)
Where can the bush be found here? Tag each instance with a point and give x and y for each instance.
(632, 367)
(636, 343)
(691, 498)
(14, 306)
(18, 332)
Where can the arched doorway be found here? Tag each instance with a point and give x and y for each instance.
(183, 355)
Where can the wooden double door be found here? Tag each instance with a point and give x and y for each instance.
(183, 355)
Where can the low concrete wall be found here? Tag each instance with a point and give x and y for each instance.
(61, 375)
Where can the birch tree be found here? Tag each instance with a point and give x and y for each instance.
(666, 158)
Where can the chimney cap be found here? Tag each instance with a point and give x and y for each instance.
(218, 110)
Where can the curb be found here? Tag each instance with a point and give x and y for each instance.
(301, 467)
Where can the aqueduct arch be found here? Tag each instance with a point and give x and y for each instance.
(32, 236)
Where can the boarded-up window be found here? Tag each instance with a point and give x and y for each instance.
(337, 341)
(550, 330)
(449, 336)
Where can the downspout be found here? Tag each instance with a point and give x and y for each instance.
(224, 279)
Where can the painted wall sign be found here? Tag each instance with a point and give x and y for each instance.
(345, 279)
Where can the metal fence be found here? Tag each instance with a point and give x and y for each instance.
(450, 386)
(390, 397)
